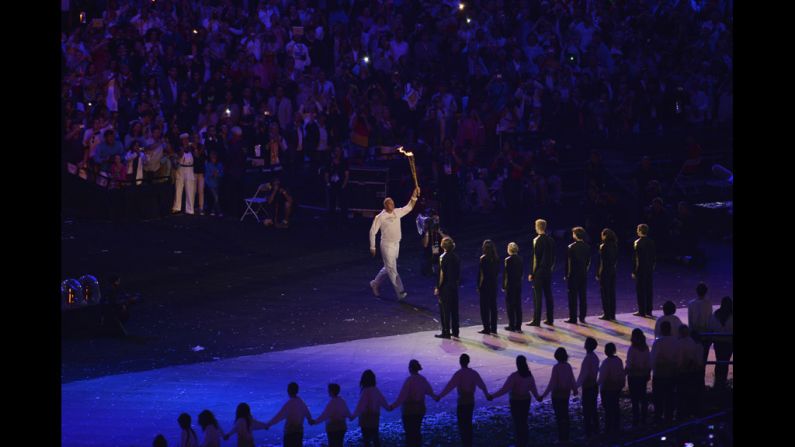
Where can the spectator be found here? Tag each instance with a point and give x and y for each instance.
(337, 176)
(664, 361)
(611, 382)
(520, 385)
(465, 380)
(280, 205)
(187, 436)
(135, 159)
(199, 169)
(412, 402)
(587, 380)
(212, 432)
(368, 410)
(335, 414)
(293, 412)
(669, 311)
(184, 180)
(214, 172)
(561, 384)
(638, 375)
(107, 150)
(722, 322)
(118, 172)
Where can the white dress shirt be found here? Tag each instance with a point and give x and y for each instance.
(589, 371)
(389, 224)
(519, 387)
(293, 412)
(334, 414)
(691, 355)
(611, 374)
(414, 390)
(675, 323)
(465, 380)
(638, 362)
(665, 356)
(698, 313)
(561, 382)
(370, 402)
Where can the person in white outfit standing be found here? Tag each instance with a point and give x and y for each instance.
(388, 222)
(184, 178)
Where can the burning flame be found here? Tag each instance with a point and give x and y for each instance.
(407, 154)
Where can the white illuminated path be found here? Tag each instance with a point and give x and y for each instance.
(130, 409)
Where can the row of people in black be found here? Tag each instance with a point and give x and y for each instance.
(578, 263)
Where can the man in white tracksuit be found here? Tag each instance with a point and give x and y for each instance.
(184, 178)
(388, 222)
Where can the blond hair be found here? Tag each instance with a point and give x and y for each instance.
(513, 248)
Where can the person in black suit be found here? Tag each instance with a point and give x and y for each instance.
(447, 289)
(487, 287)
(541, 276)
(643, 270)
(512, 286)
(577, 265)
(606, 274)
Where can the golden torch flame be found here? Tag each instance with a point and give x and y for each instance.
(410, 156)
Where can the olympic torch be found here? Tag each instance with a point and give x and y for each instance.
(410, 156)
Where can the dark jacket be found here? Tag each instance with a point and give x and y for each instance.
(645, 256)
(579, 260)
(543, 254)
(449, 272)
(512, 274)
(608, 256)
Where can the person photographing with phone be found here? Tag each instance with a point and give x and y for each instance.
(388, 223)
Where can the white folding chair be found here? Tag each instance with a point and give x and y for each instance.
(255, 204)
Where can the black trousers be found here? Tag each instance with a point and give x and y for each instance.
(371, 437)
(464, 413)
(513, 304)
(577, 296)
(542, 284)
(639, 397)
(607, 289)
(687, 393)
(335, 438)
(294, 439)
(643, 288)
(412, 424)
(336, 196)
(663, 393)
(488, 309)
(448, 311)
(561, 407)
(612, 412)
(723, 352)
(520, 410)
(590, 416)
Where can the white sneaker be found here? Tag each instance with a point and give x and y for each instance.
(402, 296)
(374, 286)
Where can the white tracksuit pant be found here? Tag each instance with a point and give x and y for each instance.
(389, 253)
(184, 180)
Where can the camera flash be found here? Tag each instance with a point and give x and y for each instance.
(469, 20)
(461, 6)
(366, 60)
